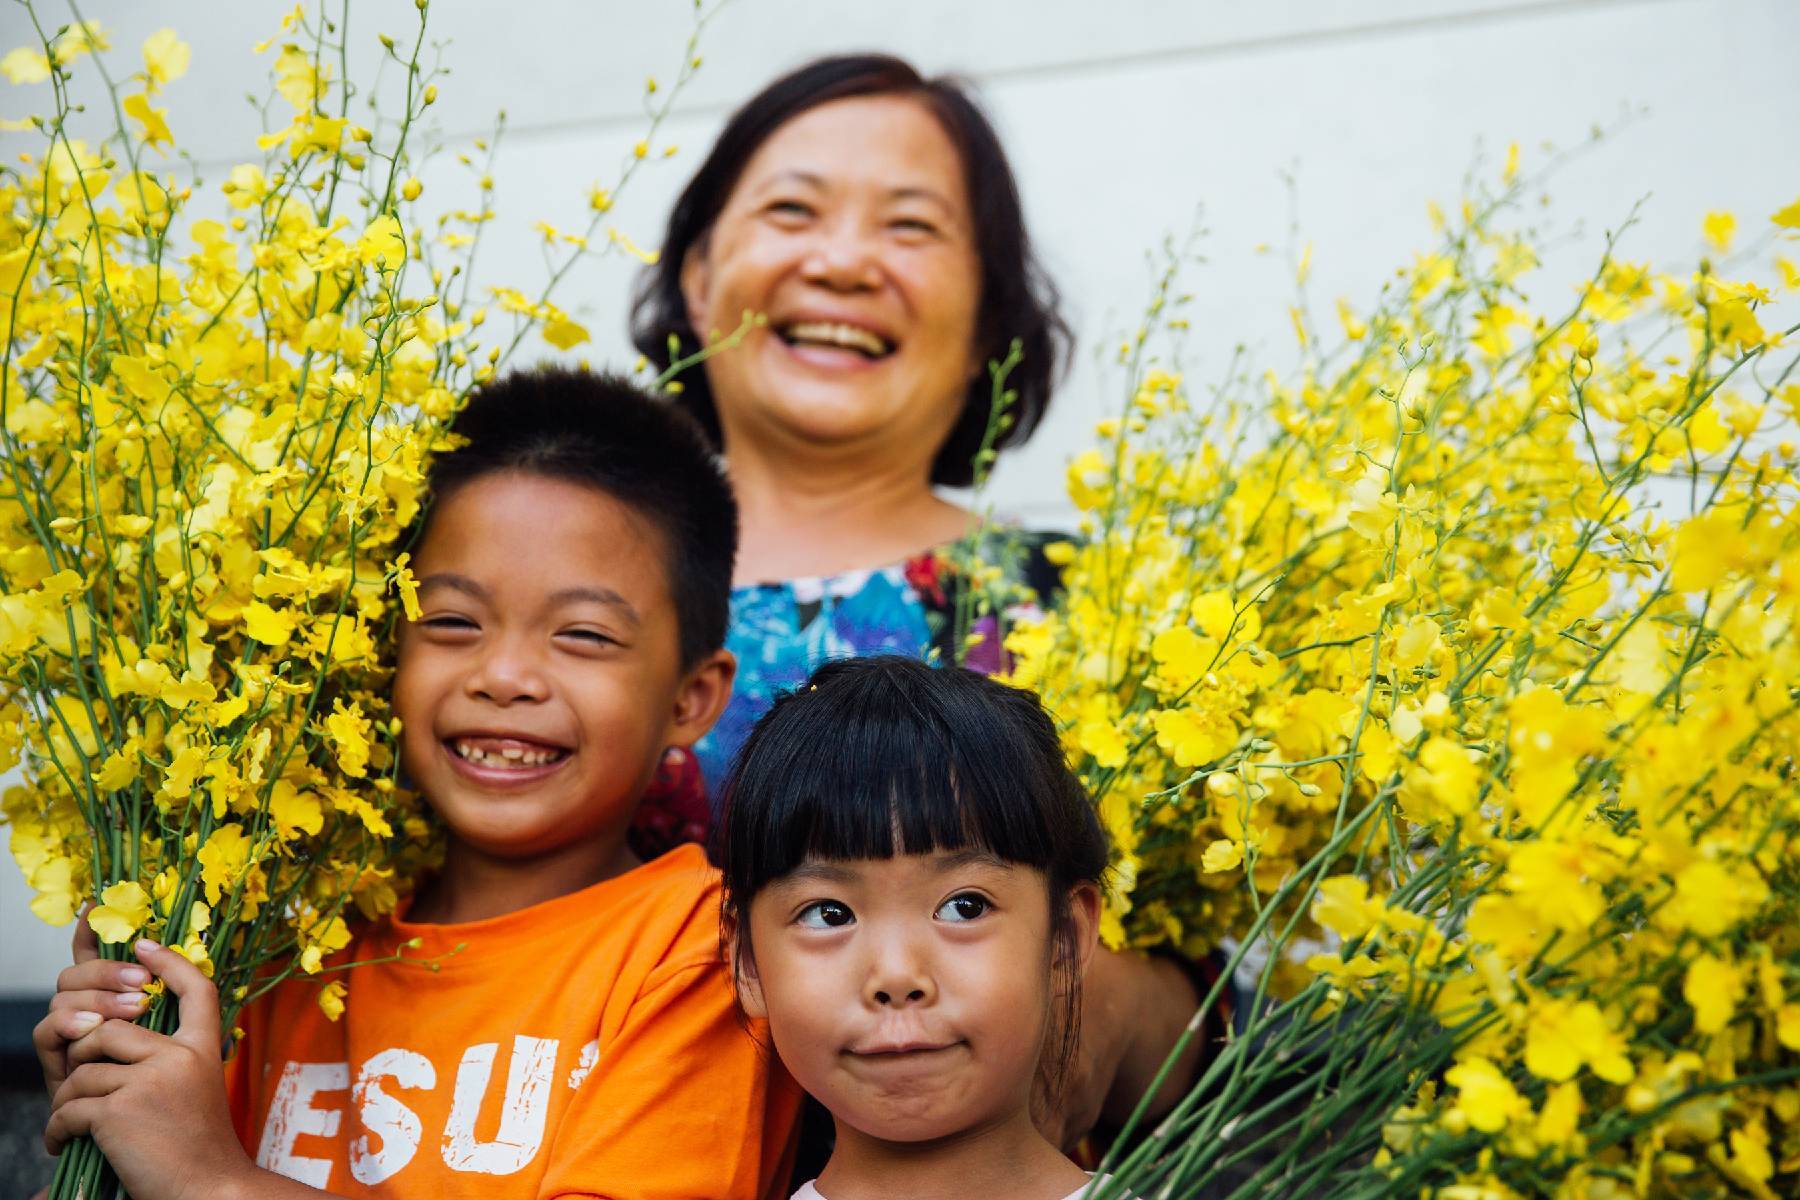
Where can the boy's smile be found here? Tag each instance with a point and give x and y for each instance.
(542, 680)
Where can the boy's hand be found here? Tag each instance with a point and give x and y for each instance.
(155, 1103)
(91, 991)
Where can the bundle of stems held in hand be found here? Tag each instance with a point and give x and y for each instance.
(1453, 680)
(216, 406)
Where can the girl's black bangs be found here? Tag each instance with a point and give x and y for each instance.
(890, 769)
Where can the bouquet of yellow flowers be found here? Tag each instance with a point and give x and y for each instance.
(1454, 682)
(213, 434)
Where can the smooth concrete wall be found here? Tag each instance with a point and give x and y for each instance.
(1127, 122)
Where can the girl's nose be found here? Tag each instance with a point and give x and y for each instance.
(899, 977)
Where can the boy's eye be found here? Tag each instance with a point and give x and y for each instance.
(964, 906)
(589, 635)
(825, 914)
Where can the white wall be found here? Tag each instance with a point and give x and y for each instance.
(1123, 119)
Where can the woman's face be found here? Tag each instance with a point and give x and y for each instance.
(850, 231)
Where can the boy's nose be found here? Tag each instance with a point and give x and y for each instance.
(506, 677)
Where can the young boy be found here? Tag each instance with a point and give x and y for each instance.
(578, 1036)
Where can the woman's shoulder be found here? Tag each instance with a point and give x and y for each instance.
(1022, 554)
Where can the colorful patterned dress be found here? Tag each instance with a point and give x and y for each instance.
(781, 631)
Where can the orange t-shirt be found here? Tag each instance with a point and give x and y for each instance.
(587, 1046)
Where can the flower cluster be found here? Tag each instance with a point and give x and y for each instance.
(1455, 678)
(216, 411)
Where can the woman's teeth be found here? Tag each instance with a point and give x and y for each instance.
(511, 756)
(832, 333)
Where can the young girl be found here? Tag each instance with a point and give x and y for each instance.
(912, 888)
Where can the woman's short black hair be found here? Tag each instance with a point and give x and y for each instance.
(1017, 301)
(884, 755)
(608, 433)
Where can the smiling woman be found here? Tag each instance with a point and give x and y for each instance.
(870, 215)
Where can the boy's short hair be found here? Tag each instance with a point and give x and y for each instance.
(606, 432)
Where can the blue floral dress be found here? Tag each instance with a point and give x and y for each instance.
(781, 631)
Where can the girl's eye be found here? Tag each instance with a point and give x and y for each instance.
(825, 914)
(964, 906)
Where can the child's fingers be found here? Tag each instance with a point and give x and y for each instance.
(74, 1119)
(85, 946)
(61, 1026)
(199, 998)
(127, 1006)
(102, 975)
(51, 1036)
(90, 1082)
(114, 1041)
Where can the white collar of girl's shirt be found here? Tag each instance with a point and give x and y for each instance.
(809, 1192)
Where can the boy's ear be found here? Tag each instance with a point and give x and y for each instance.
(1084, 913)
(702, 696)
(743, 973)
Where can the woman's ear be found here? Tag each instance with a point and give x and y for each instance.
(696, 289)
(703, 694)
(1084, 917)
(743, 972)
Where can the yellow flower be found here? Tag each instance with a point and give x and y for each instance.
(122, 911)
(331, 999)
(1343, 906)
(564, 333)
(348, 730)
(1709, 899)
(1711, 986)
(407, 586)
(154, 120)
(1485, 1096)
(25, 65)
(222, 860)
(165, 58)
(383, 244)
(1561, 1037)
(268, 626)
(1560, 1117)
(1222, 855)
(1718, 227)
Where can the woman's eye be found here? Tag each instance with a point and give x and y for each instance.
(825, 914)
(914, 225)
(790, 208)
(965, 906)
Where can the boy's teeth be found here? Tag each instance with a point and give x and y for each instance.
(511, 756)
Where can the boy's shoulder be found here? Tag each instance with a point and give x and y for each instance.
(668, 905)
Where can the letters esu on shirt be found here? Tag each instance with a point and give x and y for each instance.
(562, 1051)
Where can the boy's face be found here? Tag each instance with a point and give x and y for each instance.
(910, 995)
(543, 680)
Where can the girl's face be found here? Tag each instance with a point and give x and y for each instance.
(850, 230)
(911, 996)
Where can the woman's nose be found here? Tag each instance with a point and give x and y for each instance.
(842, 257)
(506, 674)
